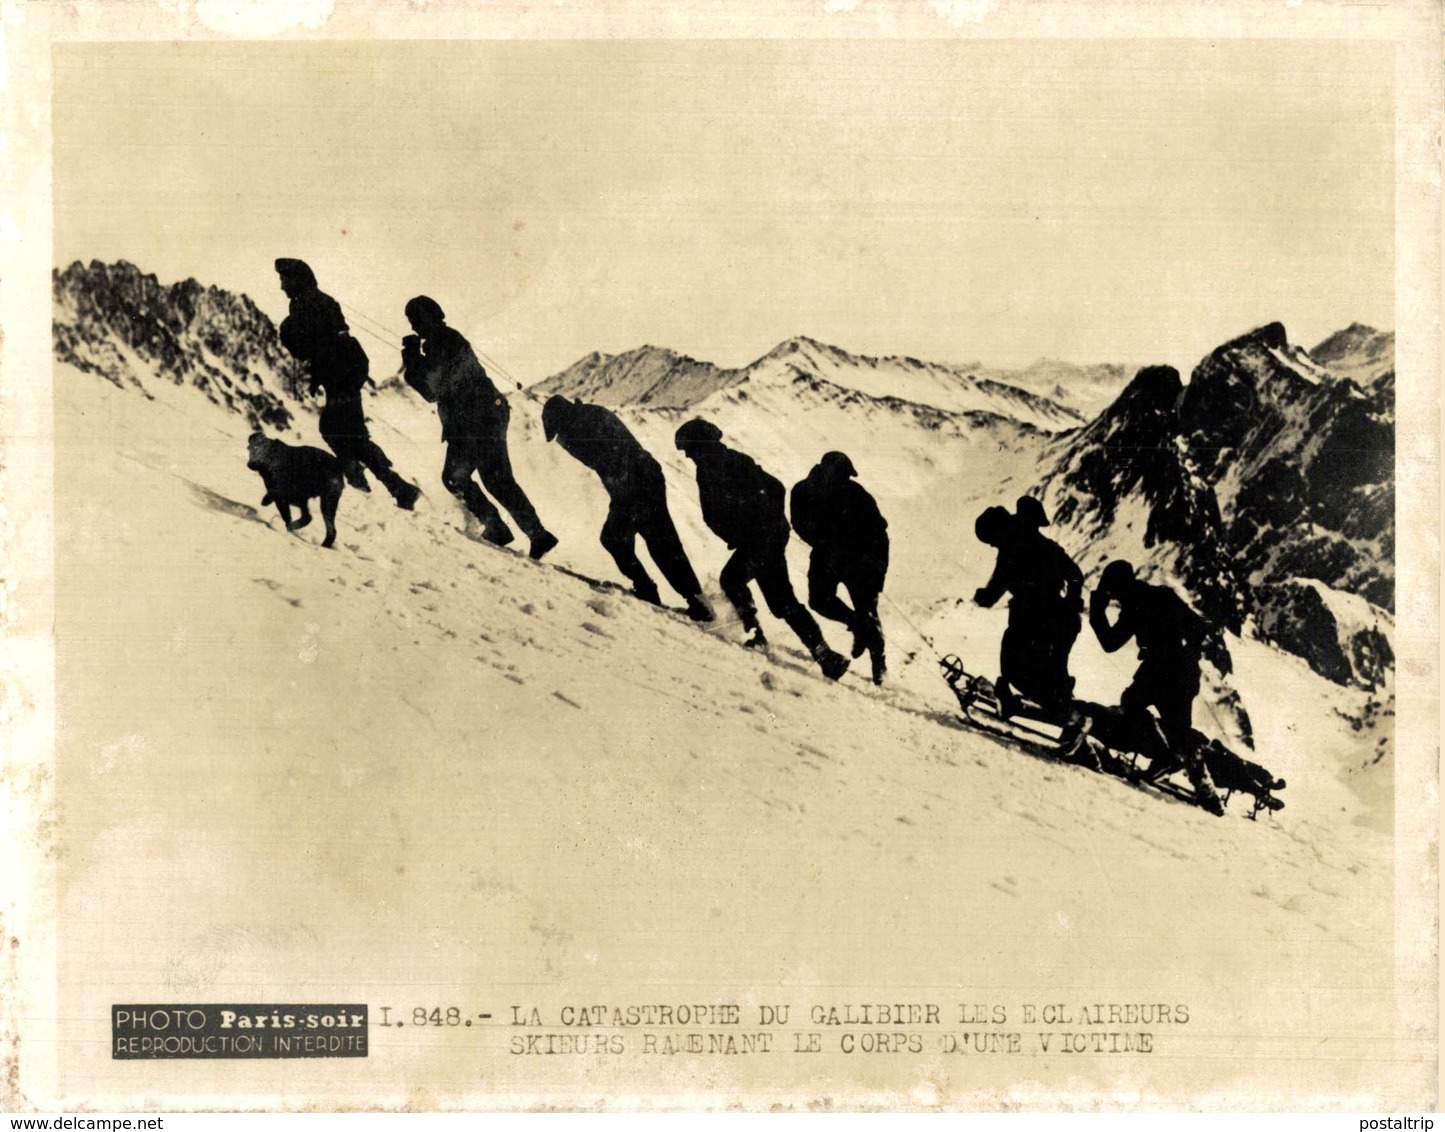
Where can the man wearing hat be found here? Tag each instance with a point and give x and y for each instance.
(1046, 588)
(1060, 628)
(316, 334)
(1171, 638)
(840, 520)
(439, 363)
(743, 506)
(597, 438)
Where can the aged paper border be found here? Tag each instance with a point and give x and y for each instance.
(29, 1053)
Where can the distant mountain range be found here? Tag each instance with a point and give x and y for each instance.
(655, 378)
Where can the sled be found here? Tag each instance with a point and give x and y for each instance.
(1030, 728)
(1029, 725)
(1233, 774)
(1229, 772)
(979, 703)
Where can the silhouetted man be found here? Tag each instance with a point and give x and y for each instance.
(440, 365)
(1045, 588)
(315, 332)
(1059, 628)
(1171, 638)
(633, 479)
(743, 506)
(836, 516)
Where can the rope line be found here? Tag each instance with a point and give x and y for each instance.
(374, 322)
(922, 636)
(378, 337)
(396, 339)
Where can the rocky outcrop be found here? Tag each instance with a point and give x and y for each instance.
(1302, 463)
(1131, 459)
(1265, 486)
(125, 326)
(1341, 636)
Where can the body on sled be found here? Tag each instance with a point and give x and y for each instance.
(1110, 741)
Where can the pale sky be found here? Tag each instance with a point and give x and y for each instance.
(957, 201)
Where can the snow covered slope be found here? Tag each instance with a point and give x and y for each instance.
(416, 767)
(114, 321)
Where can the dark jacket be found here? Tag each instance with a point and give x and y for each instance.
(315, 332)
(1037, 571)
(445, 370)
(832, 513)
(1162, 623)
(741, 503)
(596, 436)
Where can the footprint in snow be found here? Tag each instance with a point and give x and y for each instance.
(512, 676)
(275, 587)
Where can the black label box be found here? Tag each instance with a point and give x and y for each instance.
(237, 1030)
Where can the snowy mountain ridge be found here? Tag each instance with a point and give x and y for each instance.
(650, 377)
(1265, 485)
(1358, 352)
(119, 323)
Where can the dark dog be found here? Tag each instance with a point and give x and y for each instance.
(295, 475)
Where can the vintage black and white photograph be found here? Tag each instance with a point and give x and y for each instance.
(734, 569)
